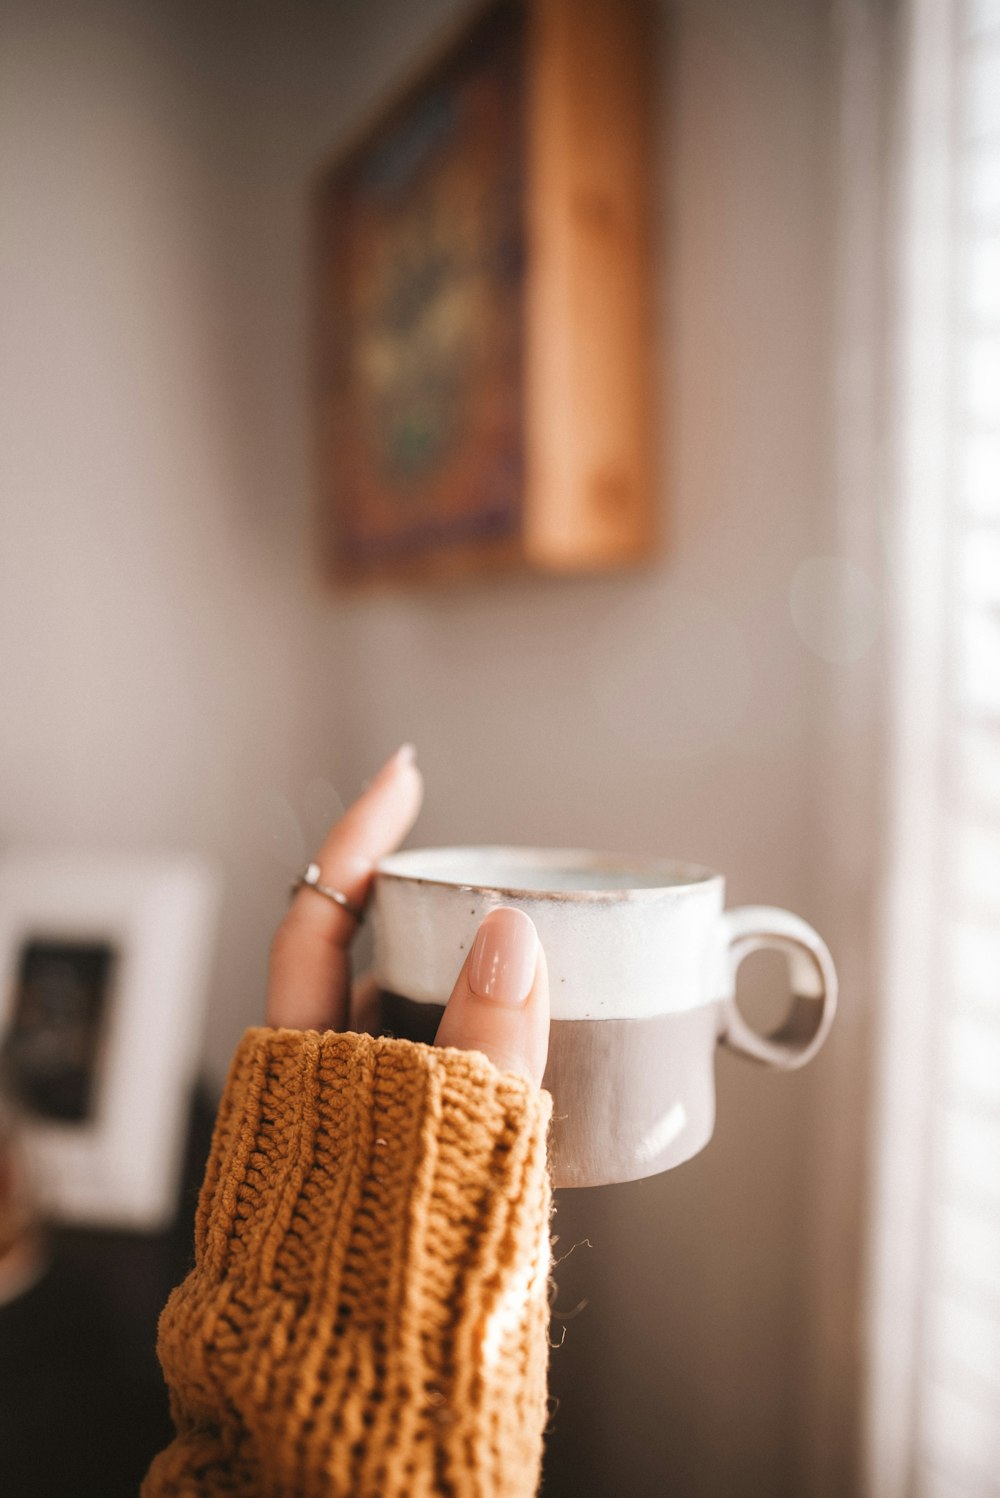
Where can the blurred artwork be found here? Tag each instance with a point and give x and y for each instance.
(484, 364)
(426, 281)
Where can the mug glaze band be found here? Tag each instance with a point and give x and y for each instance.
(755, 928)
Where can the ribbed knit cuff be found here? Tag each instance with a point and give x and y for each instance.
(368, 1312)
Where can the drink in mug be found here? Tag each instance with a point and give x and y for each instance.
(642, 960)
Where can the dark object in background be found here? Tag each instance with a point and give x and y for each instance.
(83, 1405)
(53, 1045)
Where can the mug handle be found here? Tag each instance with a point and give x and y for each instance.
(752, 928)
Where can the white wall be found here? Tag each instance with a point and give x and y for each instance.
(170, 660)
(154, 591)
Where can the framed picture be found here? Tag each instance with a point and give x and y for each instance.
(103, 976)
(485, 322)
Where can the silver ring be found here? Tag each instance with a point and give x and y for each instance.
(311, 879)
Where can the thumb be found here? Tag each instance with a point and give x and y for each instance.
(500, 1004)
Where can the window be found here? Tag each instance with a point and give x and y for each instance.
(935, 1392)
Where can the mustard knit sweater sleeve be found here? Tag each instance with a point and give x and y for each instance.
(368, 1313)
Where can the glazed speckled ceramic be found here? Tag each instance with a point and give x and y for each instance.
(642, 960)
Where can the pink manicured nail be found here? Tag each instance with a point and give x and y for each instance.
(406, 754)
(504, 956)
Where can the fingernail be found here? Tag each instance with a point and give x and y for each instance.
(504, 955)
(406, 754)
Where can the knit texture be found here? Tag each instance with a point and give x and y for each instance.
(368, 1311)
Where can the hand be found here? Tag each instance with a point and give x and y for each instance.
(500, 1003)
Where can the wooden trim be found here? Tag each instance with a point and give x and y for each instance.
(590, 494)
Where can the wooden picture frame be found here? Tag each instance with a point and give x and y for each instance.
(485, 345)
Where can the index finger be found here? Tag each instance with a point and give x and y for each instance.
(309, 973)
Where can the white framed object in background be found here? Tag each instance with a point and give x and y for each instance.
(104, 963)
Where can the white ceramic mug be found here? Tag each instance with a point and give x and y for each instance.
(642, 961)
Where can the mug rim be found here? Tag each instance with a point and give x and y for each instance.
(678, 874)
